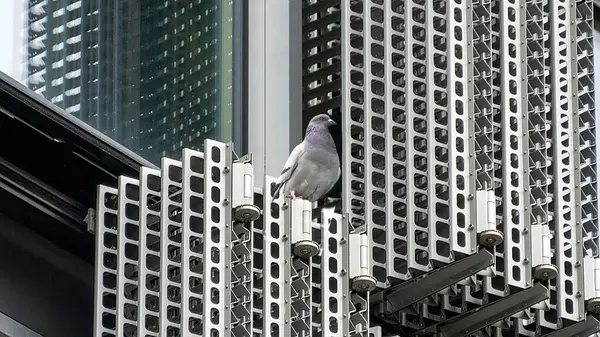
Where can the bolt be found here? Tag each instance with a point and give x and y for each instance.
(226, 169)
(225, 202)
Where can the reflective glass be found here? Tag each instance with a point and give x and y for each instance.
(154, 75)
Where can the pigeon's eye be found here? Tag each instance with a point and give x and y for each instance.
(322, 118)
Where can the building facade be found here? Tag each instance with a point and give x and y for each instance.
(468, 188)
(153, 75)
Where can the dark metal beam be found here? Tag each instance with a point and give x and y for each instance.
(403, 295)
(580, 329)
(480, 318)
(41, 196)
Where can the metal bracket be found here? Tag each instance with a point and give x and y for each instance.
(90, 220)
(480, 318)
(541, 257)
(360, 269)
(403, 295)
(243, 190)
(298, 216)
(489, 236)
(591, 268)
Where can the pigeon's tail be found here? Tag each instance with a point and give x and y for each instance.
(277, 191)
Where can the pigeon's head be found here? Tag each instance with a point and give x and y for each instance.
(317, 131)
(322, 120)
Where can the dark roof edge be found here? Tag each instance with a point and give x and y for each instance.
(50, 120)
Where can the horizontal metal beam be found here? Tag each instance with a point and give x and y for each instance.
(41, 196)
(23, 104)
(403, 295)
(10, 327)
(480, 318)
(580, 329)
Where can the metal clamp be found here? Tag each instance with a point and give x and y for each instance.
(486, 219)
(242, 197)
(298, 215)
(541, 253)
(591, 272)
(360, 269)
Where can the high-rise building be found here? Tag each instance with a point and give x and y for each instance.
(155, 77)
(54, 52)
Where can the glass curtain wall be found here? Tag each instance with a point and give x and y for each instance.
(154, 75)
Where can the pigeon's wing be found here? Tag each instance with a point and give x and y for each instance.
(337, 177)
(325, 184)
(332, 180)
(290, 166)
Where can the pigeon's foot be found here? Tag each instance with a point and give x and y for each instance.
(294, 196)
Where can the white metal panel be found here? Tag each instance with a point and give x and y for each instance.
(127, 256)
(565, 159)
(193, 258)
(277, 271)
(149, 253)
(216, 311)
(170, 247)
(105, 280)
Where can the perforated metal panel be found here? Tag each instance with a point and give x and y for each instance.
(442, 99)
(257, 286)
(105, 284)
(333, 285)
(181, 265)
(149, 252)
(128, 215)
(170, 248)
(277, 258)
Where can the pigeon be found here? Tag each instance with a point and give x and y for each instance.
(313, 166)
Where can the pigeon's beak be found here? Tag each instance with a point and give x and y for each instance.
(332, 122)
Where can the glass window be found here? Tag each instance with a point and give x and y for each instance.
(155, 78)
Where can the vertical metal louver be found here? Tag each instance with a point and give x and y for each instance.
(195, 249)
(446, 106)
